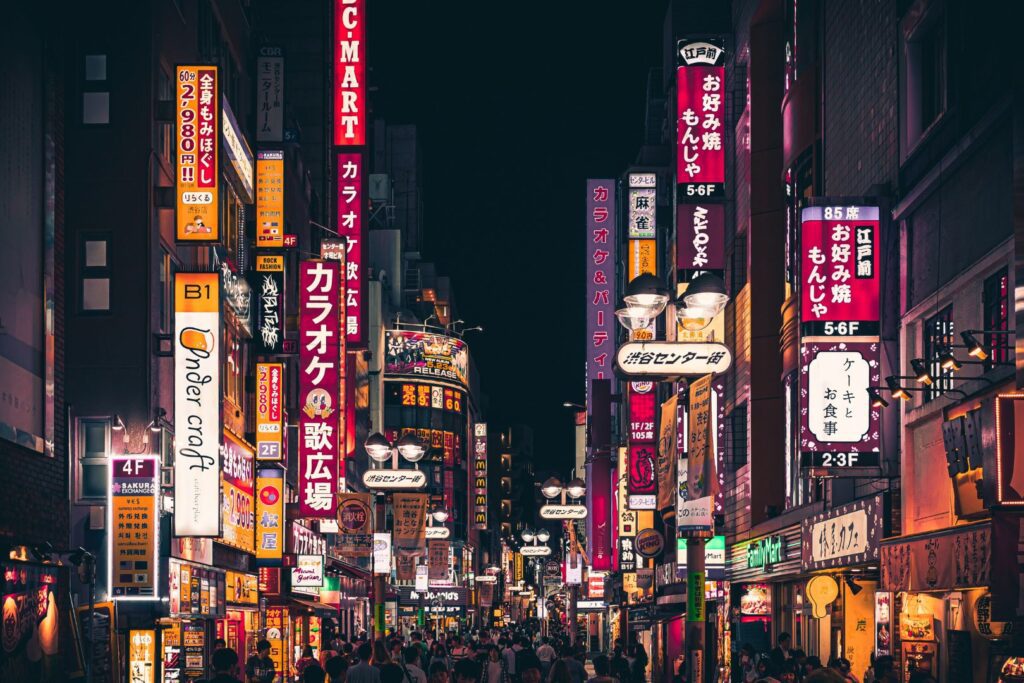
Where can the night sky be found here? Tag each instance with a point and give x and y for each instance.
(514, 111)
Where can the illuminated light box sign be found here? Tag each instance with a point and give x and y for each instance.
(198, 129)
(839, 428)
(424, 355)
(197, 396)
(700, 127)
(133, 517)
(535, 551)
(394, 479)
(839, 270)
(438, 532)
(672, 359)
(563, 511)
(350, 105)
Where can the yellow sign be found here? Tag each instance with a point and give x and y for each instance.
(241, 589)
(269, 263)
(715, 332)
(270, 199)
(822, 590)
(269, 411)
(269, 514)
(642, 258)
(197, 180)
(141, 656)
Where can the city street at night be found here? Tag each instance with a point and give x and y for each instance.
(397, 341)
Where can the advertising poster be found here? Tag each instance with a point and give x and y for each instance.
(698, 448)
(437, 560)
(134, 516)
(270, 226)
(197, 127)
(239, 523)
(269, 413)
(667, 485)
(319, 388)
(269, 516)
(197, 398)
(600, 273)
(381, 553)
(141, 656)
(355, 524)
(424, 355)
(410, 528)
(31, 623)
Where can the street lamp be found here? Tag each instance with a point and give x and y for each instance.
(439, 514)
(409, 447)
(706, 291)
(645, 296)
(543, 535)
(527, 535)
(551, 488)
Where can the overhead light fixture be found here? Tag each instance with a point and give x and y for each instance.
(527, 535)
(921, 373)
(876, 399)
(551, 488)
(117, 424)
(543, 535)
(895, 389)
(693, 318)
(646, 296)
(576, 488)
(411, 447)
(974, 347)
(627, 318)
(948, 360)
(706, 291)
(378, 447)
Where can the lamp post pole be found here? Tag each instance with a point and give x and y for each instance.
(380, 581)
(695, 617)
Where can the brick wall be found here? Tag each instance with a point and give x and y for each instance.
(861, 131)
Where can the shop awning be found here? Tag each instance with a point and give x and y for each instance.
(980, 555)
(349, 569)
(319, 607)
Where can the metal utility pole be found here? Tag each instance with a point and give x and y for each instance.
(695, 608)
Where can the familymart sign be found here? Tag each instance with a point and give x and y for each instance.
(766, 552)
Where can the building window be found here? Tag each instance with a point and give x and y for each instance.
(938, 336)
(95, 98)
(167, 270)
(93, 446)
(736, 438)
(164, 130)
(995, 304)
(737, 275)
(924, 77)
(95, 287)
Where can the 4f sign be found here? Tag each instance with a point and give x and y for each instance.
(349, 73)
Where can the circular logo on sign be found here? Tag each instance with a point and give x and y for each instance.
(642, 387)
(649, 543)
(353, 515)
(269, 495)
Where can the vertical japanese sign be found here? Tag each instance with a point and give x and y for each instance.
(349, 72)
(270, 310)
(410, 517)
(197, 127)
(269, 516)
(270, 94)
(319, 387)
(480, 475)
(699, 454)
(642, 258)
(642, 211)
(270, 226)
(642, 482)
(269, 414)
(142, 656)
(700, 239)
(239, 524)
(355, 524)
(839, 268)
(667, 484)
(700, 126)
(600, 515)
(601, 241)
(838, 426)
(134, 527)
(197, 354)
(350, 225)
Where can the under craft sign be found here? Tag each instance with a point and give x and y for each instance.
(672, 359)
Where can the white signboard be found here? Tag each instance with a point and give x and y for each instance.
(197, 353)
(642, 501)
(422, 577)
(382, 553)
(394, 479)
(838, 405)
(696, 515)
(535, 551)
(642, 203)
(438, 532)
(843, 535)
(672, 359)
(643, 180)
(574, 573)
(563, 511)
(308, 571)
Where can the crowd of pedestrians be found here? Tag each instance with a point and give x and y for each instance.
(482, 657)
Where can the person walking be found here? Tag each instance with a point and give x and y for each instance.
(495, 670)
(363, 671)
(260, 667)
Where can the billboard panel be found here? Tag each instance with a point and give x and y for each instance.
(198, 129)
(425, 355)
